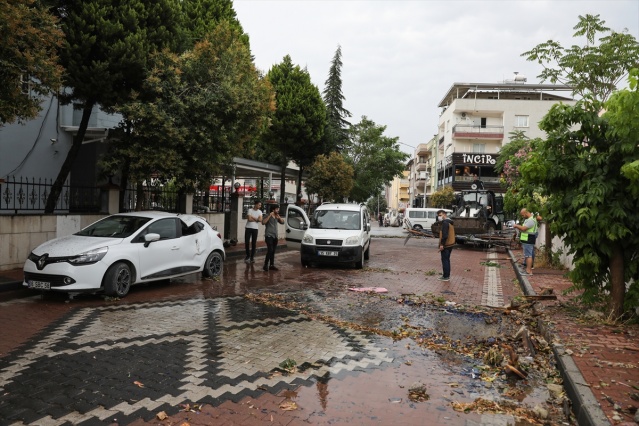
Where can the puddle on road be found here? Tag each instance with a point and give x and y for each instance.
(449, 374)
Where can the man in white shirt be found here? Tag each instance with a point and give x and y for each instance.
(253, 218)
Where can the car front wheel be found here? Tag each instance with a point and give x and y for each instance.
(117, 280)
(213, 265)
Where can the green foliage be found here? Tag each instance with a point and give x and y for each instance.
(587, 165)
(200, 17)
(330, 177)
(336, 134)
(29, 38)
(518, 192)
(376, 159)
(443, 197)
(579, 166)
(297, 127)
(593, 70)
(202, 108)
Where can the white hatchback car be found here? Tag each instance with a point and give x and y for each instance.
(126, 249)
(336, 233)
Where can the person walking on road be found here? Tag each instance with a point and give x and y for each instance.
(527, 237)
(253, 217)
(446, 243)
(270, 235)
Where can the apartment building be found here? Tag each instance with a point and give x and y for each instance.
(421, 169)
(475, 122)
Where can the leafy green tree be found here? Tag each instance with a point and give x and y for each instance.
(330, 177)
(336, 133)
(443, 198)
(593, 70)
(29, 39)
(105, 54)
(584, 166)
(297, 126)
(207, 105)
(518, 193)
(376, 159)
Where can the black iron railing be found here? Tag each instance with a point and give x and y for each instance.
(19, 194)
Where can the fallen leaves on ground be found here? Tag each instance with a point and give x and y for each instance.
(288, 406)
(482, 406)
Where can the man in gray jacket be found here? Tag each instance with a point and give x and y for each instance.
(270, 235)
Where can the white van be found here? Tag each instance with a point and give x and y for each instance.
(336, 233)
(421, 217)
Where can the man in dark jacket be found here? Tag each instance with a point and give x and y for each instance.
(446, 243)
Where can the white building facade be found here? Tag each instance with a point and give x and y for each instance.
(476, 122)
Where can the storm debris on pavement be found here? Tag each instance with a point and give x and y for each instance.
(512, 360)
(417, 392)
(482, 406)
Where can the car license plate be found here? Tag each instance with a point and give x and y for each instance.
(327, 253)
(41, 285)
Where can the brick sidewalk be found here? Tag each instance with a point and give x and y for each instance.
(607, 356)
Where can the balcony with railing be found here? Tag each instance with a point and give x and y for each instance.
(472, 131)
(423, 149)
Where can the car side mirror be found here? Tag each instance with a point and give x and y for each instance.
(149, 238)
(304, 226)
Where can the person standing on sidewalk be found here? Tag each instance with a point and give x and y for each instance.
(446, 243)
(253, 217)
(527, 237)
(270, 235)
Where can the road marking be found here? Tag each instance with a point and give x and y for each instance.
(492, 293)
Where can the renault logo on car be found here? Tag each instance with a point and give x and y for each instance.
(42, 261)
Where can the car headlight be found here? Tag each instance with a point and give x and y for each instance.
(308, 239)
(90, 256)
(351, 241)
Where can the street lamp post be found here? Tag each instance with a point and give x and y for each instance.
(426, 180)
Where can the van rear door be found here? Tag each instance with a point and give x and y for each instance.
(296, 225)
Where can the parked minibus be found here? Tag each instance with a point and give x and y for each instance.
(421, 217)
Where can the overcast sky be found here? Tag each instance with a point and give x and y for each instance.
(400, 57)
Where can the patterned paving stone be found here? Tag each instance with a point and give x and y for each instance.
(209, 351)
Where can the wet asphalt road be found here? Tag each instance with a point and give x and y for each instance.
(92, 361)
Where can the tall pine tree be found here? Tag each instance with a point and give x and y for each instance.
(336, 133)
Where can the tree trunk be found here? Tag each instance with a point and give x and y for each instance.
(56, 188)
(140, 200)
(547, 244)
(298, 190)
(124, 182)
(617, 283)
(282, 184)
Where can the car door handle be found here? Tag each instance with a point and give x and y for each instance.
(175, 248)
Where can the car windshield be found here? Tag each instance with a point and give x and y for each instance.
(336, 219)
(114, 227)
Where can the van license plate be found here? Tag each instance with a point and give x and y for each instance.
(41, 285)
(327, 253)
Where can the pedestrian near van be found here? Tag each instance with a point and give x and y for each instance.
(270, 235)
(253, 218)
(527, 237)
(446, 242)
(538, 219)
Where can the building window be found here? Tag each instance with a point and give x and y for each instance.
(521, 121)
(479, 148)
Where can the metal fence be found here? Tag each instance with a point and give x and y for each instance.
(24, 195)
(150, 197)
